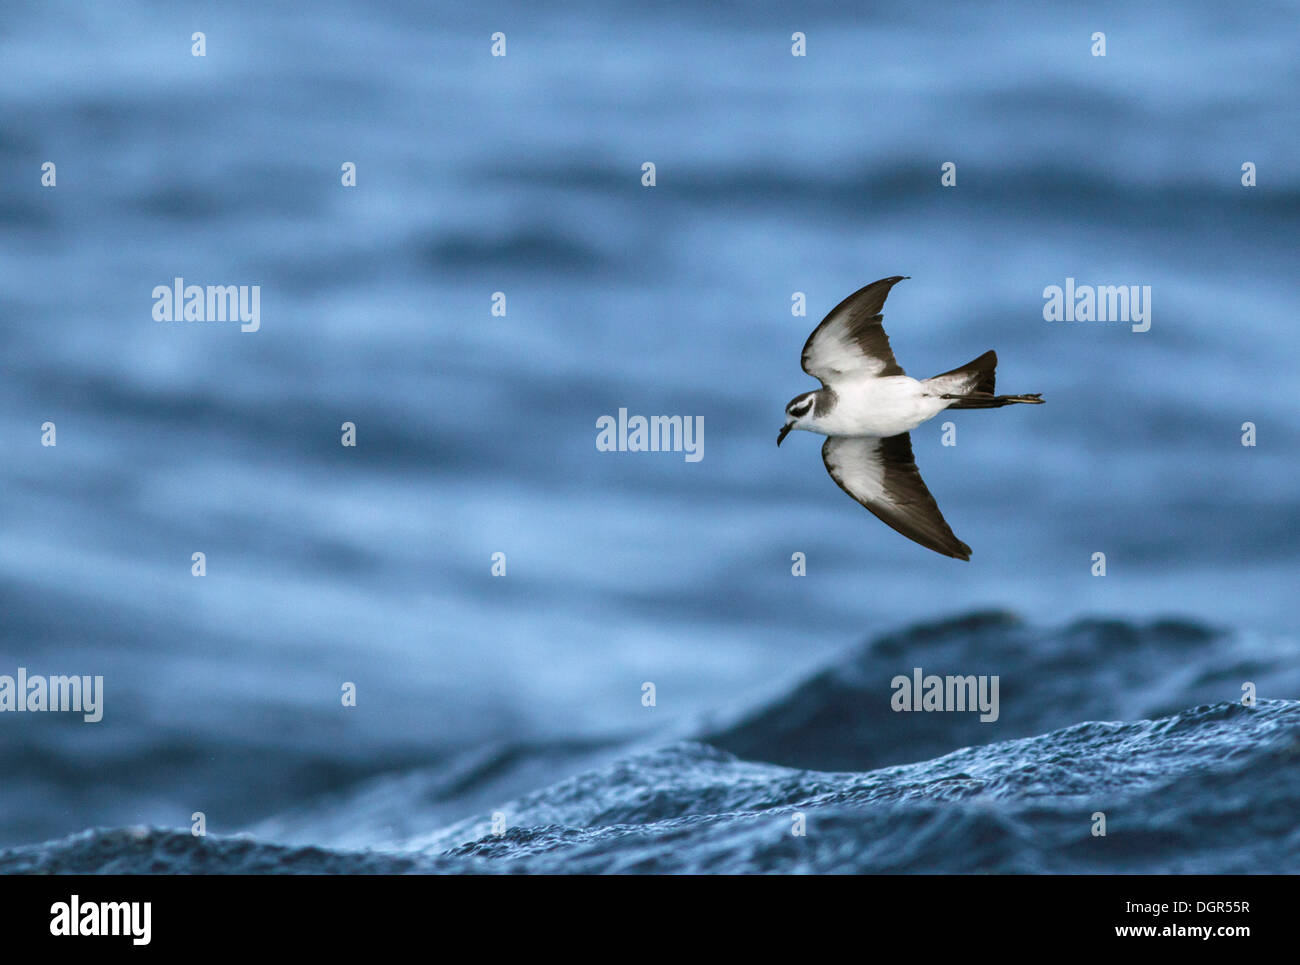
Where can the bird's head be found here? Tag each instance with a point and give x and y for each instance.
(798, 411)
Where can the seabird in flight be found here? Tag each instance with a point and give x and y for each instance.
(867, 406)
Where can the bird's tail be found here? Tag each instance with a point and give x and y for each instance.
(979, 401)
(971, 386)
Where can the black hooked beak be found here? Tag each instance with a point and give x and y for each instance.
(785, 431)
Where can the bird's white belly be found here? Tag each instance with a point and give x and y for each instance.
(880, 407)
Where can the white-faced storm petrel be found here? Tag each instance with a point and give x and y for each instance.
(867, 406)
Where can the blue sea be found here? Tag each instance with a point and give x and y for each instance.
(498, 592)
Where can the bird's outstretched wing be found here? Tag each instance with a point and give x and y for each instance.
(850, 341)
(882, 475)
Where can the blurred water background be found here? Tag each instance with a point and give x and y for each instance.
(476, 434)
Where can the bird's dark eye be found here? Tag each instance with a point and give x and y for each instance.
(801, 409)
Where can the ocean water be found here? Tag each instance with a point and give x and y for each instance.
(1213, 788)
(476, 435)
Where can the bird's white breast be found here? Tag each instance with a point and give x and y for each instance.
(879, 407)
